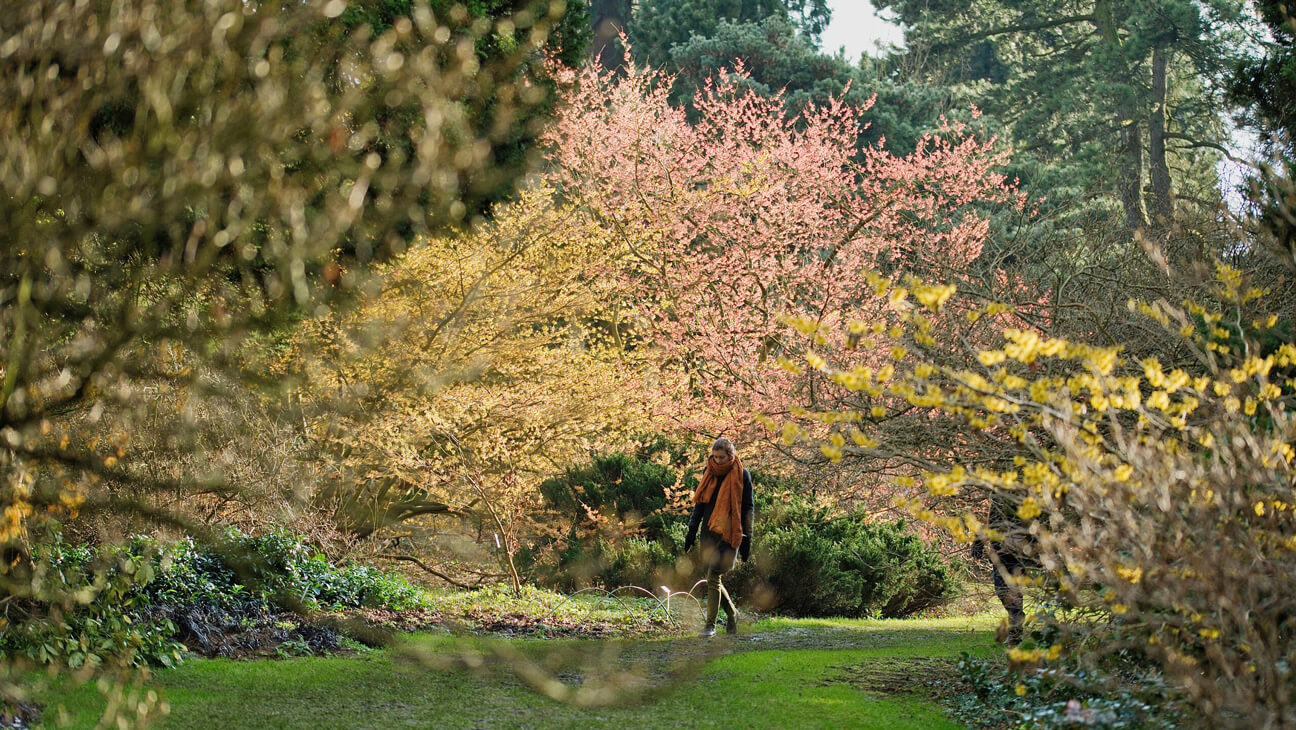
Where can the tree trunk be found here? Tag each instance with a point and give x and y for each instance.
(1162, 200)
(1129, 173)
(609, 19)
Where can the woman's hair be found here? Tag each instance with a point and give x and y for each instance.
(724, 444)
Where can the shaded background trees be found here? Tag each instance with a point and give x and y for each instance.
(1089, 88)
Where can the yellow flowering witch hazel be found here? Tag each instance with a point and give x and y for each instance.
(1156, 495)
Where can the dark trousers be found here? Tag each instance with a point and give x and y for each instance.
(1010, 595)
(718, 558)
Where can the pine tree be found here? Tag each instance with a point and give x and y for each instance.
(1100, 85)
(660, 25)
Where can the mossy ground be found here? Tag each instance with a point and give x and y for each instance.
(776, 673)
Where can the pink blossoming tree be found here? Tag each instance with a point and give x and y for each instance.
(733, 227)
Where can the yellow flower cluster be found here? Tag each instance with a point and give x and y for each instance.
(1032, 656)
(16, 513)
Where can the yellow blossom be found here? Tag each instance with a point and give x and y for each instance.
(1023, 345)
(863, 441)
(1152, 371)
(991, 358)
(934, 297)
(790, 366)
(1029, 509)
(791, 432)
(1158, 400)
(1102, 360)
(1132, 575)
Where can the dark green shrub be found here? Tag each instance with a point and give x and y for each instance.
(628, 489)
(806, 562)
(637, 562)
(620, 485)
(845, 566)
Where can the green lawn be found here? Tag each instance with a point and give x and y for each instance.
(778, 673)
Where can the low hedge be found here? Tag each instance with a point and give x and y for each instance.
(806, 559)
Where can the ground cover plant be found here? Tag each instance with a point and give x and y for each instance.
(990, 694)
(150, 603)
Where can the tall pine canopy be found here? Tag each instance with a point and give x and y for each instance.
(1123, 92)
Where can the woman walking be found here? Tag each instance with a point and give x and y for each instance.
(724, 508)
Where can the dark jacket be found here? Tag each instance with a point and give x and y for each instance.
(1017, 550)
(702, 516)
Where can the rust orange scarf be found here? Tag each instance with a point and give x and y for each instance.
(726, 517)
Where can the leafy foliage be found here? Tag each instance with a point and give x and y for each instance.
(138, 601)
(111, 622)
(276, 569)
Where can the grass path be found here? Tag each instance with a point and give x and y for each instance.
(778, 673)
